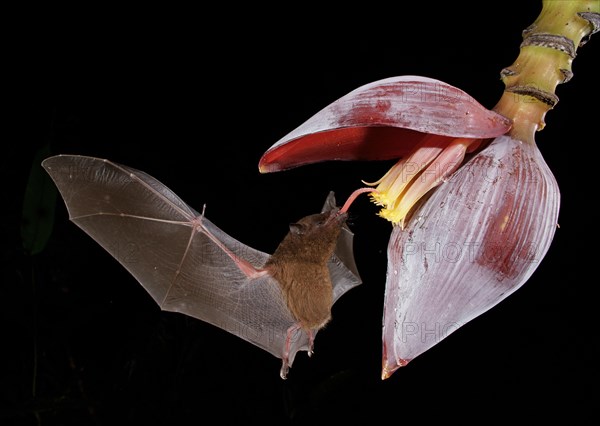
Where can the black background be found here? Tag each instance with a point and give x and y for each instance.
(194, 97)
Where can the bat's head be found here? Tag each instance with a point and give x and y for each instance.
(320, 224)
(315, 236)
(324, 228)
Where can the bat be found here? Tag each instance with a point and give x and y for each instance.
(187, 264)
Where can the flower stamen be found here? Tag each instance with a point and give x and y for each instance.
(430, 163)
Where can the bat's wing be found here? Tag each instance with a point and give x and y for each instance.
(342, 267)
(164, 244)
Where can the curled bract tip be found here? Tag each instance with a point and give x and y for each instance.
(389, 368)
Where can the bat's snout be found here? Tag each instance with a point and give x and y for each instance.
(338, 216)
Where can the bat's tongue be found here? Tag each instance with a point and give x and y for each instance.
(352, 197)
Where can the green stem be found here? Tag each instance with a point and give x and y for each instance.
(544, 61)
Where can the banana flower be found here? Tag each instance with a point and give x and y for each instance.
(474, 210)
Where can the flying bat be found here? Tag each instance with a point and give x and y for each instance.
(187, 264)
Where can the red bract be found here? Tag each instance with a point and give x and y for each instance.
(475, 240)
(382, 120)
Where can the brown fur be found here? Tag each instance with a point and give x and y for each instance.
(300, 267)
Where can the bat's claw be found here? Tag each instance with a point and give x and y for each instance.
(284, 369)
(311, 343)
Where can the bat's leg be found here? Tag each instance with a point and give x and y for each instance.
(284, 369)
(286, 350)
(311, 342)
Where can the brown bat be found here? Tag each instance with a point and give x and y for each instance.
(189, 265)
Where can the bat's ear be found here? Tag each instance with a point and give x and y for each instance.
(297, 228)
(329, 203)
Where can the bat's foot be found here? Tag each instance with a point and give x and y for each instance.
(311, 343)
(284, 369)
(286, 350)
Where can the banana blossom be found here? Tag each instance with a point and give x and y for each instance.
(473, 210)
